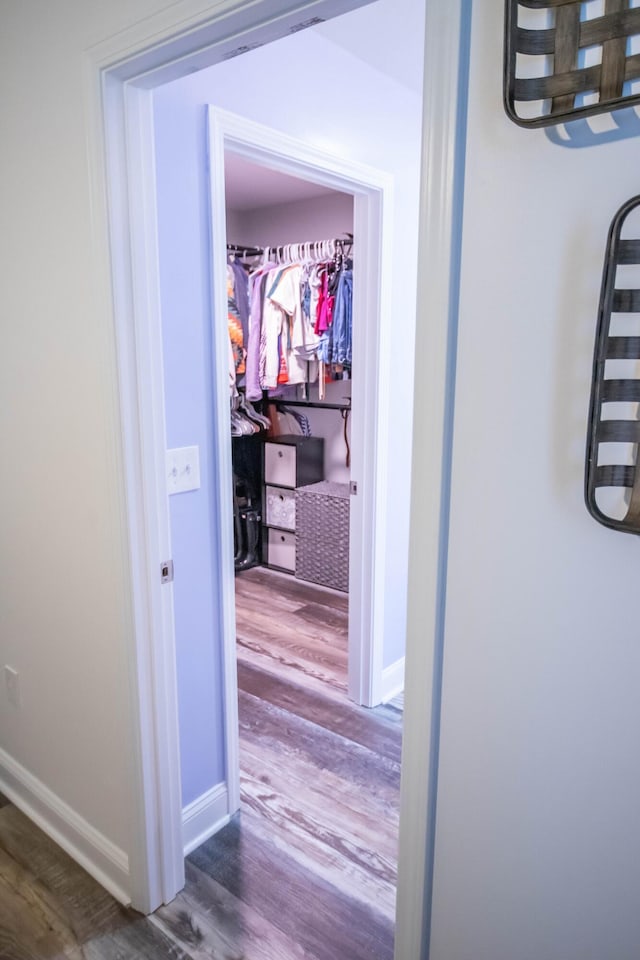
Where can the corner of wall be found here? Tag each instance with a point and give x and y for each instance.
(203, 817)
(101, 858)
(393, 680)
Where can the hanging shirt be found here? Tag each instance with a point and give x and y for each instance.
(343, 319)
(257, 286)
(270, 336)
(325, 305)
(241, 295)
(287, 293)
(234, 325)
(286, 322)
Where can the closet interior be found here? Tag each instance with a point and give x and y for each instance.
(290, 261)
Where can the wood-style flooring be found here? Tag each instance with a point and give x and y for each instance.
(308, 867)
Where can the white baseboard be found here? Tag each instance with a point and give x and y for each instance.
(203, 817)
(393, 680)
(106, 863)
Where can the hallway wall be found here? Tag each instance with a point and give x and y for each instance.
(538, 852)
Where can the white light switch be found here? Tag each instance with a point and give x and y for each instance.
(183, 469)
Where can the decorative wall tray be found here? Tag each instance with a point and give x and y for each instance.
(568, 48)
(620, 424)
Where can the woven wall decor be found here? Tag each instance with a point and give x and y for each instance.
(562, 47)
(623, 428)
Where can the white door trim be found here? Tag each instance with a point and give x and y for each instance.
(174, 40)
(447, 38)
(373, 194)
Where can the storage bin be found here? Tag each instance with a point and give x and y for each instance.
(322, 534)
(292, 461)
(281, 549)
(280, 507)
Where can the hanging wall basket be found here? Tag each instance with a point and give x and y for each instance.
(567, 50)
(616, 339)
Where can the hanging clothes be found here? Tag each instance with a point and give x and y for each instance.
(290, 319)
(234, 324)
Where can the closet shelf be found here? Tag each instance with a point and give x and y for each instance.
(316, 404)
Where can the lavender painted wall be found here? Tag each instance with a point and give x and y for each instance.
(184, 247)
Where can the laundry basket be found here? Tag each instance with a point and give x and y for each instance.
(322, 534)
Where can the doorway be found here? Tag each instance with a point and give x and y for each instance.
(374, 214)
(291, 437)
(128, 106)
(231, 135)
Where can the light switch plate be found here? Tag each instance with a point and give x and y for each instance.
(183, 469)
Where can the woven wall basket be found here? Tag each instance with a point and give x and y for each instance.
(617, 339)
(565, 52)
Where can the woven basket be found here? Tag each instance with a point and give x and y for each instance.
(322, 534)
(564, 80)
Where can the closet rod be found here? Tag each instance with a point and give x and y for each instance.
(248, 251)
(258, 251)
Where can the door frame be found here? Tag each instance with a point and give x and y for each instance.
(119, 72)
(372, 191)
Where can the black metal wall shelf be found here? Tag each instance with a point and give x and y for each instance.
(314, 404)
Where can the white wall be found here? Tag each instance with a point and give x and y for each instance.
(64, 592)
(538, 850)
(317, 218)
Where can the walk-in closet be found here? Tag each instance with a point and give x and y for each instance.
(318, 773)
(290, 260)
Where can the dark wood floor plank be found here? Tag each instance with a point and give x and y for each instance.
(320, 615)
(248, 593)
(292, 644)
(293, 589)
(327, 849)
(30, 926)
(371, 813)
(309, 637)
(350, 721)
(255, 648)
(86, 906)
(294, 673)
(266, 725)
(140, 939)
(308, 910)
(365, 820)
(64, 908)
(4, 801)
(210, 922)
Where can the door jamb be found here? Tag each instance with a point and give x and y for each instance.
(373, 198)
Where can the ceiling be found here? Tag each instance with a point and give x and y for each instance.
(250, 186)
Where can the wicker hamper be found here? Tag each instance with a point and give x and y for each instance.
(322, 534)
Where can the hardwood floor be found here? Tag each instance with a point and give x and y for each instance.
(306, 870)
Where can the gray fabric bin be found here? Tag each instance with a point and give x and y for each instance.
(322, 534)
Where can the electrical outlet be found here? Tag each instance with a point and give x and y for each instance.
(12, 684)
